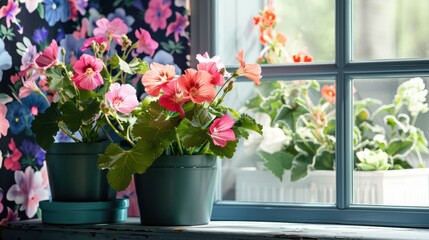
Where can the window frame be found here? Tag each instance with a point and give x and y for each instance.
(343, 70)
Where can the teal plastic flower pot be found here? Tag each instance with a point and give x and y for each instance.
(177, 191)
(74, 175)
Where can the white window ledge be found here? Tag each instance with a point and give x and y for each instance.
(34, 230)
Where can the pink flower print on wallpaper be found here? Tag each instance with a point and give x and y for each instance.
(29, 190)
(178, 27)
(4, 123)
(157, 14)
(11, 162)
(10, 11)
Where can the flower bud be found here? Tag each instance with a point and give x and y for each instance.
(229, 87)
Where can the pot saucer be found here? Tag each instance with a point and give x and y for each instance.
(84, 212)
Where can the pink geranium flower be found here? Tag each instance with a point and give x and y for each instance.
(197, 84)
(145, 43)
(122, 98)
(83, 30)
(12, 162)
(31, 5)
(98, 40)
(114, 29)
(10, 11)
(28, 191)
(4, 123)
(157, 14)
(205, 58)
(156, 77)
(178, 27)
(252, 71)
(221, 131)
(49, 56)
(173, 98)
(87, 72)
(217, 78)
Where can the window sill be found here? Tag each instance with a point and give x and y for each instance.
(34, 229)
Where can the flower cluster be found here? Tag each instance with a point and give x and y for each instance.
(89, 101)
(302, 128)
(183, 115)
(274, 42)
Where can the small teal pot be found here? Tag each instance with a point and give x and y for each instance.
(74, 175)
(177, 191)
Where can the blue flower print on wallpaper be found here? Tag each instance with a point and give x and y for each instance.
(27, 27)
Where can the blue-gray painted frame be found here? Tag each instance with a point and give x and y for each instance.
(343, 70)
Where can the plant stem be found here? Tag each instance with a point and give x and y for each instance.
(221, 88)
(179, 144)
(118, 133)
(68, 133)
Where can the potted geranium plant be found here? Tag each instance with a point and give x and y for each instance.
(91, 104)
(181, 129)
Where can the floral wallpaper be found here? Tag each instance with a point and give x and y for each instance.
(27, 28)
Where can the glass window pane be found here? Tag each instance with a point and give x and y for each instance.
(298, 28)
(390, 29)
(390, 141)
(298, 144)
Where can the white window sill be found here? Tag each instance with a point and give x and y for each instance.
(34, 230)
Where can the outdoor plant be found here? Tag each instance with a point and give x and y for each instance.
(299, 118)
(302, 116)
(182, 115)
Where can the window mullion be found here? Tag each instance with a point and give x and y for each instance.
(344, 122)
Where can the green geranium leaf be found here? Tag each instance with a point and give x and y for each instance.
(399, 147)
(45, 126)
(90, 108)
(227, 151)
(307, 147)
(201, 117)
(86, 94)
(325, 160)
(138, 66)
(56, 79)
(254, 103)
(122, 164)
(277, 162)
(72, 116)
(190, 135)
(385, 108)
(154, 122)
(246, 122)
(300, 167)
(401, 164)
(290, 116)
(422, 142)
(116, 61)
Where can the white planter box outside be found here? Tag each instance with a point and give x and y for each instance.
(408, 187)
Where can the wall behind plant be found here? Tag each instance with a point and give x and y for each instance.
(26, 28)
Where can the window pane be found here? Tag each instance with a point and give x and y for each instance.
(390, 141)
(298, 144)
(308, 26)
(390, 29)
